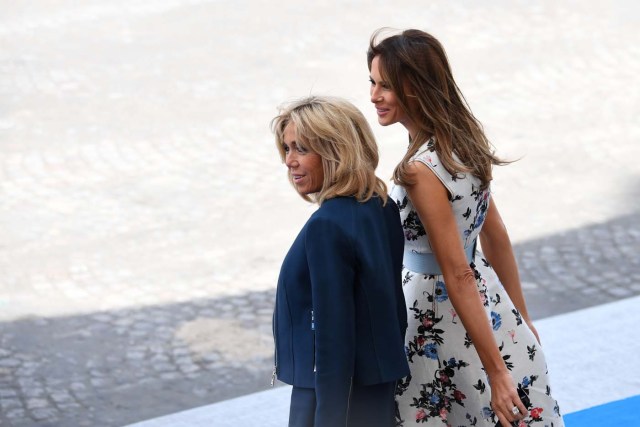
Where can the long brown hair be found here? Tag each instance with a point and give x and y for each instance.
(415, 66)
(336, 130)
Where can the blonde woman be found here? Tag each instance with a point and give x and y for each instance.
(340, 318)
(474, 353)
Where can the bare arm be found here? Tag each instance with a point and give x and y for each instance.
(497, 249)
(430, 199)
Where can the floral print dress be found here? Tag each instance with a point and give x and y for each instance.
(447, 385)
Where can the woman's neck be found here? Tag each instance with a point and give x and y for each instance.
(411, 127)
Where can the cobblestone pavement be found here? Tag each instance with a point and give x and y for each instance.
(144, 212)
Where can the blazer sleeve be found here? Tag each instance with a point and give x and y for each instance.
(332, 267)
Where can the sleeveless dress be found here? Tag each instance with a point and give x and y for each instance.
(447, 385)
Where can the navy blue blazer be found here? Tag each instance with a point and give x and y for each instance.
(340, 314)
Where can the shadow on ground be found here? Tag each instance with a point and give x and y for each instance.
(581, 268)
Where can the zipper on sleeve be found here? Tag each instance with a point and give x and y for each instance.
(349, 400)
(275, 350)
(275, 362)
(313, 328)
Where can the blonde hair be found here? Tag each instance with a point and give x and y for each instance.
(414, 62)
(337, 131)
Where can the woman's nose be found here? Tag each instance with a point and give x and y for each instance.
(375, 95)
(290, 160)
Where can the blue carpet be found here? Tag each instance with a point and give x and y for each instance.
(621, 413)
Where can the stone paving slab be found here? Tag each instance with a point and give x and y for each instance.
(577, 384)
(144, 212)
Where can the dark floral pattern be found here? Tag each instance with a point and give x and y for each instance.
(438, 396)
(412, 227)
(447, 385)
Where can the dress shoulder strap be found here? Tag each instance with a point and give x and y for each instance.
(428, 156)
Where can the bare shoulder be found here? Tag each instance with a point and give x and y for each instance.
(424, 180)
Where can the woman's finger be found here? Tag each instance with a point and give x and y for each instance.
(523, 412)
(504, 422)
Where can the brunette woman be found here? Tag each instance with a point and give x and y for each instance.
(474, 354)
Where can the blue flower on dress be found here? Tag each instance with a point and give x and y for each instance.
(452, 361)
(441, 292)
(434, 399)
(479, 221)
(496, 320)
(525, 381)
(431, 351)
(487, 412)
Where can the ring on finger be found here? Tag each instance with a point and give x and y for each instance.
(515, 410)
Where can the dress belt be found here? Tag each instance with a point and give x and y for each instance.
(425, 263)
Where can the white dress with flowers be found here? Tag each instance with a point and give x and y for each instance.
(447, 385)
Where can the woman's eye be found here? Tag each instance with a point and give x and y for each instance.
(301, 150)
(285, 148)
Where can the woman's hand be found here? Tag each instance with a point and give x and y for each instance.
(504, 397)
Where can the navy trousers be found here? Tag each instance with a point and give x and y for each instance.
(370, 406)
